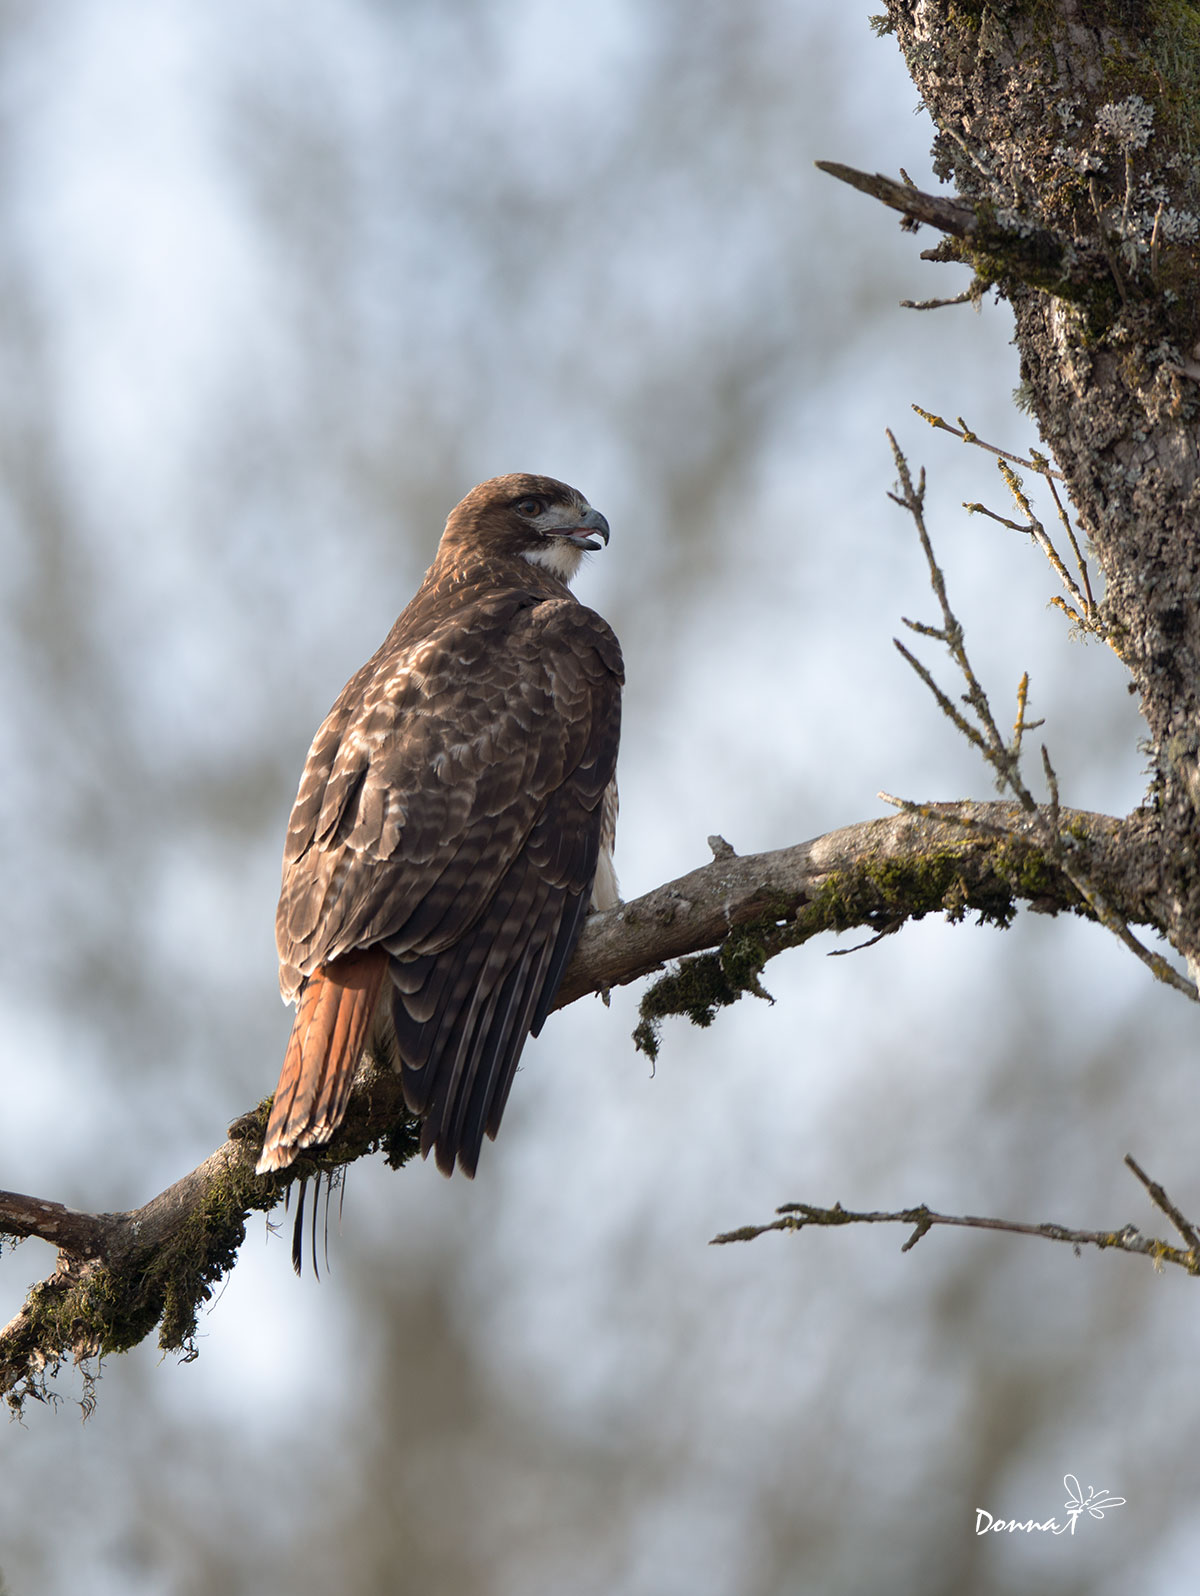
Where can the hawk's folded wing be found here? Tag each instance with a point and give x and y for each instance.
(450, 816)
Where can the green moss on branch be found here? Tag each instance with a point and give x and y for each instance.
(878, 894)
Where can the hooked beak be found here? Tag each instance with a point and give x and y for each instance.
(591, 531)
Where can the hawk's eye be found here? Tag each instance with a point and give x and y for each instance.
(530, 506)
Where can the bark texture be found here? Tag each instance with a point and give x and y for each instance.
(1081, 122)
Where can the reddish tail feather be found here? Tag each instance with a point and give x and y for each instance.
(331, 1029)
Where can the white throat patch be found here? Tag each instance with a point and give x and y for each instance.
(560, 558)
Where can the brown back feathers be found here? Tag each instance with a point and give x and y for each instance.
(441, 853)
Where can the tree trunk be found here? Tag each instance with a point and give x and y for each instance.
(1078, 123)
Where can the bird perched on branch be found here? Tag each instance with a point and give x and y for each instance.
(454, 826)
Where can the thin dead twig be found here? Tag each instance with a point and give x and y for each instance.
(958, 217)
(1086, 615)
(1129, 1239)
(1160, 1199)
(939, 424)
(986, 736)
(1038, 462)
(969, 296)
(1041, 826)
(1075, 549)
(947, 215)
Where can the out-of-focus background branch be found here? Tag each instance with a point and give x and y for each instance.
(278, 285)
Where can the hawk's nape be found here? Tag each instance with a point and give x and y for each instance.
(454, 825)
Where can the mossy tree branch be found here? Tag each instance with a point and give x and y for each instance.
(119, 1276)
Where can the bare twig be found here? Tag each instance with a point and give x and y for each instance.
(1159, 1197)
(1021, 725)
(1013, 482)
(969, 296)
(1004, 757)
(1161, 969)
(1129, 1239)
(1051, 776)
(986, 736)
(973, 507)
(1087, 615)
(1023, 246)
(965, 814)
(944, 702)
(947, 215)
(1049, 475)
(964, 432)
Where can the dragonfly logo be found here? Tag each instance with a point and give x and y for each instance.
(1095, 1504)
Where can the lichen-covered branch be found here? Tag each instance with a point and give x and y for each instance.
(119, 1276)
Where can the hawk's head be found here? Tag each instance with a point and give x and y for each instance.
(547, 522)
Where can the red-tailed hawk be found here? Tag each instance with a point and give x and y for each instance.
(453, 827)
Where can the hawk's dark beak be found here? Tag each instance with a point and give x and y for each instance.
(593, 523)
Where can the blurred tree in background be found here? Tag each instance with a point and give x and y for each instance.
(278, 286)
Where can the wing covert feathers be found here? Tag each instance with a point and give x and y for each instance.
(442, 852)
